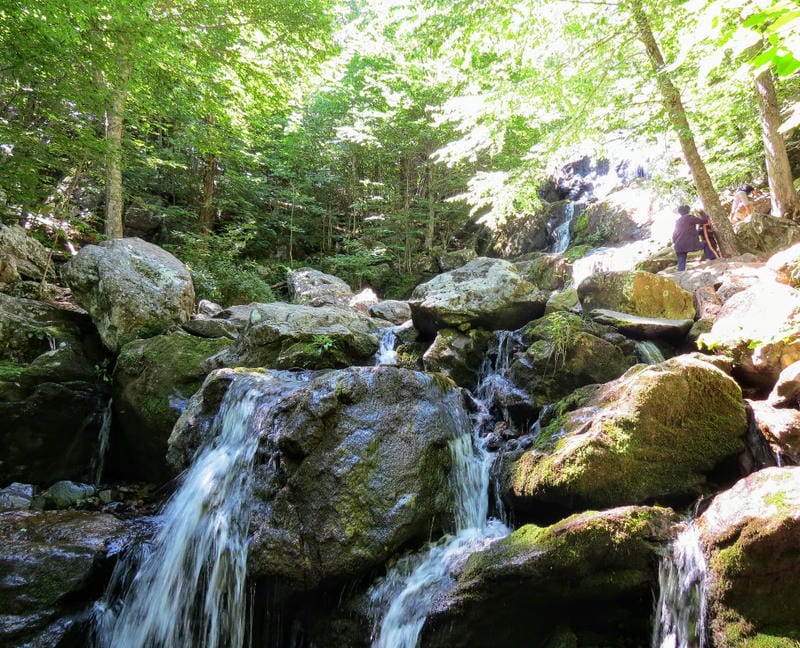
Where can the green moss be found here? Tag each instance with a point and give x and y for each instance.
(11, 371)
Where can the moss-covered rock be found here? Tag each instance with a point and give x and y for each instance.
(655, 434)
(751, 533)
(152, 382)
(352, 466)
(295, 336)
(637, 293)
(565, 352)
(457, 355)
(590, 575)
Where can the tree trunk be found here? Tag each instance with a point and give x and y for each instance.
(779, 173)
(673, 104)
(431, 229)
(113, 135)
(207, 209)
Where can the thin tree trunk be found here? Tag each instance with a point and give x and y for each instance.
(207, 210)
(779, 173)
(114, 129)
(431, 230)
(673, 104)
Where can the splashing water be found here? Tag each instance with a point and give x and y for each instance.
(561, 233)
(680, 613)
(189, 589)
(386, 354)
(403, 598)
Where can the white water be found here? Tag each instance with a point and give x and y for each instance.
(189, 589)
(680, 614)
(648, 352)
(386, 354)
(402, 599)
(561, 232)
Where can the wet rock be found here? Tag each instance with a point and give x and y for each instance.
(152, 382)
(780, 427)
(16, 496)
(53, 566)
(352, 466)
(394, 311)
(457, 355)
(593, 573)
(646, 328)
(65, 493)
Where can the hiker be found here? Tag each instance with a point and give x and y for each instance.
(741, 208)
(688, 236)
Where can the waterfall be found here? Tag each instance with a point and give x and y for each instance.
(561, 233)
(386, 354)
(98, 461)
(648, 352)
(189, 589)
(680, 613)
(402, 599)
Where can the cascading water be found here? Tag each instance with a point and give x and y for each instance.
(403, 597)
(189, 589)
(648, 352)
(386, 354)
(680, 613)
(561, 233)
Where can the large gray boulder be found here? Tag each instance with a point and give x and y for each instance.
(759, 329)
(294, 336)
(750, 536)
(589, 577)
(22, 257)
(655, 434)
(132, 289)
(315, 288)
(352, 466)
(485, 293)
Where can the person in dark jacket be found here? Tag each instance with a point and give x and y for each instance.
(688, 236)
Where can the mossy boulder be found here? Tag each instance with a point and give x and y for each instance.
(657, 433)
(636, 293)
(590, 576)
(763, 234)
(545, 271)
(565, 352)
(750, 534)
(457, 355)
(485, 293)
(759, 328)
(352, 466)
(152, 383)
(295, 336)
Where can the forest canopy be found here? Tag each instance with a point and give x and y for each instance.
(362, 136)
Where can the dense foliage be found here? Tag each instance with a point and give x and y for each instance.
(366, 137)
